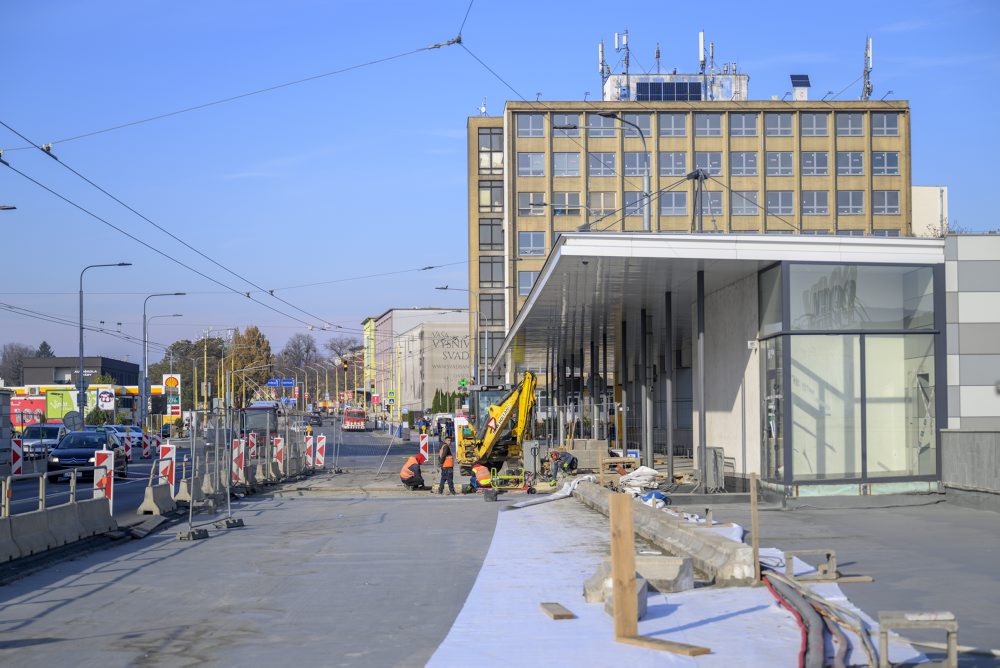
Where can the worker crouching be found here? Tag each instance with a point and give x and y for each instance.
(563, 462)
(410, 473)
(480, 478)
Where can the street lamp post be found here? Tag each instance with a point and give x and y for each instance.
(645, 173)
(81, 397)
(144, 390)
(475, 360)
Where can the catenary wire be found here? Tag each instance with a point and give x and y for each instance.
(37, 315)
(466, 17)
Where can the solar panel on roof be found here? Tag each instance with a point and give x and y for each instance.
(800, 80)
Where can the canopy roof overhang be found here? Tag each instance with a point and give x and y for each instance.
(590, 280)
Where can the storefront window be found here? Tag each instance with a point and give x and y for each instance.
(769, 307)
(772, 409)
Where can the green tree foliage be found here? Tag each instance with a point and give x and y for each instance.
(44, 350)
(96, 416)
(101, 379)
(253, 361)
(181, 358)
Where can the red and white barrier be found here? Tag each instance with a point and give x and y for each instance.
(252, 438)
(167, 467)
(128, 448)
(157, 442)
(279, 453)
(146, 453)
(320, 451)
(309, 450)
(424, 446)
(239, 447)
(104, 480)
(16, 456)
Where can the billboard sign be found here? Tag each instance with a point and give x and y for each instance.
(58, 403)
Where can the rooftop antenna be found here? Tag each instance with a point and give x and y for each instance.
(866, 87)
(622, 45)
(701, 51)
(657, 57)
(482, 107)
(601, 66)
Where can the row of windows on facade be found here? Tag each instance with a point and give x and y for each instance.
(706, 124)
(741, 163)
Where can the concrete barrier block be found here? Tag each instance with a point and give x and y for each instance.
(95, 517)
(157, 501)
(64, 524)
(31, 532)
(641, 594)
(587, 460)
(190, 490)
(8, 548)
(665, 573)
(261, 473)
(598, 588)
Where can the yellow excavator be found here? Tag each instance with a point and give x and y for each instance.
(503, 427)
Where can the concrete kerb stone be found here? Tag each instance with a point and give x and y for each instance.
(190, 490)
(95, 517)
(726, 562)
(31, 532)
(599, 588)
(157, 501)
(8, 548)
(64, 524)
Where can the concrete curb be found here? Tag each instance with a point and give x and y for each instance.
(726, 562)
(95, 517)
(31, 532)
(64, 524)
(157, 501)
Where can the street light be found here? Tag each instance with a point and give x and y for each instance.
(144, 390)
(476, 354)
(645, 173)
(81, 397)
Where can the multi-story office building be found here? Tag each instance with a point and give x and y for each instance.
(800, 166)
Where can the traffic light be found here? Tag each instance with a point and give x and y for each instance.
(345, 365)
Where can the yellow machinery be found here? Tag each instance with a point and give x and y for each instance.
(503, 426)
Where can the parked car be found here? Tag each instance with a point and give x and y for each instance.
(77, 448)
(38, 439)
(128, 430)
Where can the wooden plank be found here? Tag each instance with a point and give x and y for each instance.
(666, 645)
(754, 529)
(556, 611)
(623, 566)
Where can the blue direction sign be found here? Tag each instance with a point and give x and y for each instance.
(273, 382)
(288, 382)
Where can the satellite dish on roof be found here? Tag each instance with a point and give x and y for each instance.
(73, 421)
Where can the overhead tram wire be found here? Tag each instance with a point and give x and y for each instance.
(163, 229)
(58, 320)
(240, 96)
(152, 248)
(757, 204)
(466, 18)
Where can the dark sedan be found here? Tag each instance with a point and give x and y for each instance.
(76, 450)
(315, 420)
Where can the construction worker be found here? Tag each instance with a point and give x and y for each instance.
(480, 477)
(447, 467)
(410, 473)
(561, 461)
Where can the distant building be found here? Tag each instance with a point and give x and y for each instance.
(433, 356)
(66, 370)
(930, 211)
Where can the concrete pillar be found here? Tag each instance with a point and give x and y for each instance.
(605, 399)
(668, 380)
(645, 393)
(700, 393)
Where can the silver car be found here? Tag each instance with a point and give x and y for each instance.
(38, 439)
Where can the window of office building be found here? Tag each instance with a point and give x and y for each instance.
(565, 125)
(566, 164)
(815, 203)
(779, 163)
(849, 124)
(743, 163)
(490, 234)
(490, 309)
(637, 163)
(491, 151)
(743, 125)
(634, 202)
(673, 163)
(530, 243)
(673, 125)
(530, 125)
(489, 344)
(710, 161)
(744, 203)
(885, 202)
(565, 204)
(673, 204)
(815, 163)
(642, 120)
(525, 281)
(490, 196)
(814, 124)
(601, 164)
(708, 125)
(531, 164)
(490, 271)
(711, 203)
(885, 124)
(850, 163)
(779, 202)
(885, 163)
(850, 202)
(530, 204)
(601, 203)
(778, 124)
(600, 126)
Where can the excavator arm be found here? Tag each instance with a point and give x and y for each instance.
(516, 411)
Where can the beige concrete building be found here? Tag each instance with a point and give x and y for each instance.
(433, 356)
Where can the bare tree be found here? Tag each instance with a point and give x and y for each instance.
(12, 362)
(300, 350)
(342, 345)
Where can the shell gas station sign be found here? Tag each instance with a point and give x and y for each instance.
(172, 390)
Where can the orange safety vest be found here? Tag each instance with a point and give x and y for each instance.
(406, 473)
(482, 475)
(447, 462)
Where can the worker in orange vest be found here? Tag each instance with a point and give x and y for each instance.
(410, 473)
(447, 467)
(480, 478)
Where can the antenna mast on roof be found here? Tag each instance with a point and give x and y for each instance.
(866, 87)
(657, 56)
(622, 45)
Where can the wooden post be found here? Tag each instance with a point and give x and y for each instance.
(623, 566)
(754, 529)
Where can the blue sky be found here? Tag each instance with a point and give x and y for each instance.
(363, 172)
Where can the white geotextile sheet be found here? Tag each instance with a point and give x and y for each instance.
(544, 553)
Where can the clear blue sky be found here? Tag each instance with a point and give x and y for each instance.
(364, 172)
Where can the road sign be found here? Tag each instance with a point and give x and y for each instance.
(391, 394)
(492, 424)
(424, 445)
(309, 451)
(104, 482)
(288, 382)
(16, 457)
(236, 474)
(274, 382)
(375, 399)
(390, 401)
(106, 400)
(175, 410)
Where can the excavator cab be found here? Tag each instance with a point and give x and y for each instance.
(502, 426)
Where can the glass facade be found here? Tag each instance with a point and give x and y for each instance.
(849, 357)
